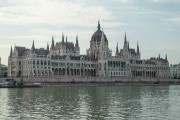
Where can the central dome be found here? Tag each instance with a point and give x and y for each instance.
(96, 37)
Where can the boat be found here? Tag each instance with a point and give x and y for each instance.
(11, 83)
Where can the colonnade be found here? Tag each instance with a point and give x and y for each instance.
(74, 72)
(152, 74)
(116, 64)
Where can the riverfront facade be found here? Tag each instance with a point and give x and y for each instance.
(175, 71)
(63, 58)
(3, 70)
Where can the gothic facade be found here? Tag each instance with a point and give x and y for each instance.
(175, 71)
(64, 59)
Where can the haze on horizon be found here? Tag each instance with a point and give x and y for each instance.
(154, 24)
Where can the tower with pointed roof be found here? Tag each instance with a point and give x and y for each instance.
(33, 47)
(63, 38)
(128, 52)
(47, 47)
(138, 52)
(52, 44)
(117, 50)
(77, 43)
(77, 48)
(99, 25)
(95, 43)
(166, 58)
(125, 47)
(10, 53)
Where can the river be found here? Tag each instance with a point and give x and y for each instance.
(91, 102)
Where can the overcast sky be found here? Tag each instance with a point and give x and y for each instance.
(155, 24)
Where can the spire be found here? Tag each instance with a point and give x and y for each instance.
(99, 26)
(125, 39)
(138, 49)
(11, 52)
(117, 50)
(159, 56)
(125, 47)
(48, 47)
(52, 45)
(77, 43)
(63, 38)
(166, 58)
(33, 47)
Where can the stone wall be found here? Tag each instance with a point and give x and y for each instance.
(93, 79)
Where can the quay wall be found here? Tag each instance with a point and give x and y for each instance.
(94, 80)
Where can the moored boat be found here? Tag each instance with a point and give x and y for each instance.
(11, 83)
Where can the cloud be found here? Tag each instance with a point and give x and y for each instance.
(166, 1)
(4, 46)
(52, 12)
(173, 20)
(168, 29)
(150, 12)
(124, 1)
(133, 7)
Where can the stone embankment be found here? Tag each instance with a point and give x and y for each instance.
(95, 79)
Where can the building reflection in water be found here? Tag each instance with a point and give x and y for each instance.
(86, 101)
(4, 99)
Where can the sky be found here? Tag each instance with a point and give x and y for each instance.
(154, 24)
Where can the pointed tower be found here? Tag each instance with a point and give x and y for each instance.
(125, 39)
(117, 50)
(33, 47)
(99, 26)
(125, 47)
(138, 52)
(63, 38)
(125, 43)
(166, 58)
(10, 52)
(48, 47)
(77, 43)
(52, 45)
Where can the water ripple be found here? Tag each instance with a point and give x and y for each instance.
(91, 102)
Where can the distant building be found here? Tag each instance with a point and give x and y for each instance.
(3, 70)
(64, 59)
(175, 71)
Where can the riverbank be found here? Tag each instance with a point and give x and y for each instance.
(56, 80)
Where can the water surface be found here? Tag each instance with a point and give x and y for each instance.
(91, 101)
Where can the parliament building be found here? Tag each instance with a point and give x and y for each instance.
(63, 58)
